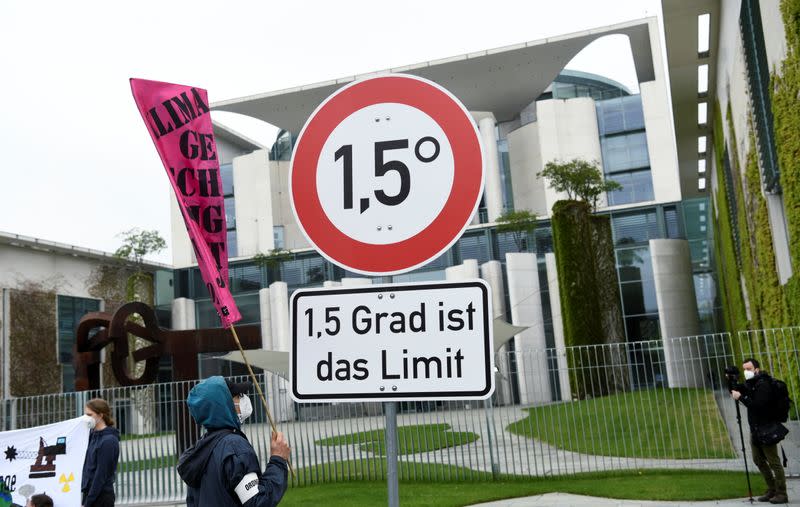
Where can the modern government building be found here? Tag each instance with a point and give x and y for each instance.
(529, 110)
(656, 141)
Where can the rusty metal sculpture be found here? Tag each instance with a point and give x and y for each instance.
(182, 346)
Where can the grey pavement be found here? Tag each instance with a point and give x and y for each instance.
(563, 500)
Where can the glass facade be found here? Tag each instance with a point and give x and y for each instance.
(70, 311)
(623, 145)
(758, 80)
(226, 172)
(283, 146)
(632, 232)
(505, 174)
(278, 236)
(571, 84)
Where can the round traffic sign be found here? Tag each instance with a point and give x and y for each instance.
(386, 174)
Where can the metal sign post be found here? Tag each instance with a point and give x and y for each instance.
(390, 434)
(385, 176)
(392, 480)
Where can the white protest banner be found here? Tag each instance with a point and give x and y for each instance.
(44, 459)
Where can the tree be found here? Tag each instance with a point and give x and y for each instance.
(136, 244)
(272, 261)
(580, 179)
(520, 223)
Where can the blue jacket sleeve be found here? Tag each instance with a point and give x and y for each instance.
(242, 471)
(107, 456)
(190, 501)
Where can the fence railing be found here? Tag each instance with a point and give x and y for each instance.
(656, 404)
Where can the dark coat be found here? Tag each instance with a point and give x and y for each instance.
(757, 396)
(222, 466)
(100, 465)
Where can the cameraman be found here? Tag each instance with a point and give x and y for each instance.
(756, 395)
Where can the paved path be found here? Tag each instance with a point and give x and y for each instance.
(508, 453)
(563, 499)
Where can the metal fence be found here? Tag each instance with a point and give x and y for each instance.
(657, 404)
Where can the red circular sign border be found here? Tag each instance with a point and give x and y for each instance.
(450, 222)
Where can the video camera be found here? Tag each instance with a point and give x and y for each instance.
(732, 375)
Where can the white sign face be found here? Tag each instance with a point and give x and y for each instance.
(386, 174)
(416, 180)
(399, 342)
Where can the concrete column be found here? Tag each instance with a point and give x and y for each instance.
(251, 179)
(183, 316)
(467, 270)
(279, 314)
(355, 282)
(266, 319)
(558, 326)
(280, 402)
(492, 272)
(492, 189)
(677, 311)
(526, 310)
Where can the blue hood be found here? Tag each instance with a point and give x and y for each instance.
(211, 404)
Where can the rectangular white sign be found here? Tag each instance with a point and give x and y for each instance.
(45, 459)
(400, 342)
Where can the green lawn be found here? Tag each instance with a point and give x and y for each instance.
(130, 436)
(676, 485)
(652, 423)
(411, 439)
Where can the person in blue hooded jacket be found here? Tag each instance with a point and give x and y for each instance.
(222, 469)
(102, 454)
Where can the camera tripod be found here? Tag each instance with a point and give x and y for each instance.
(744, 452)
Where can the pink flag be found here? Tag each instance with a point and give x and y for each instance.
(179, 122)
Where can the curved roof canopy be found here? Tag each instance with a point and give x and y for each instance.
(502, 81)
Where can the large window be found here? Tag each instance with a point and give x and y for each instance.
(639, 304)
(623, 145)
(226, 172)
(70, 311)
(620, 115)
(624, 152)
(758, 78)
(278, 236)
(637, 186)
(635, 228)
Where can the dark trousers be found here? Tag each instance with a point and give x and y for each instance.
(106, 499)
(768, 461)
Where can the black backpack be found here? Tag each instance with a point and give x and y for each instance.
(781, 403)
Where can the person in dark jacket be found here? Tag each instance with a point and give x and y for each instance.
(222, 469)
(756, 395)
(100, 464)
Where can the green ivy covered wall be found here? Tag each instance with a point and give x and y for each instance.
(33, 364)
(590, 301)
(785, 96)
(751, 293)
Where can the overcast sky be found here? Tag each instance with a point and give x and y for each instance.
(78, 165)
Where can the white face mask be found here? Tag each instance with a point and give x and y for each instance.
(748, 374)
(90, 421)
(245, 408)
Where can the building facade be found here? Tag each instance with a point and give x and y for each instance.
(734, 93)
(47, 288)
(529, 111)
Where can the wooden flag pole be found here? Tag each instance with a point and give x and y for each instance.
(258, 388)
